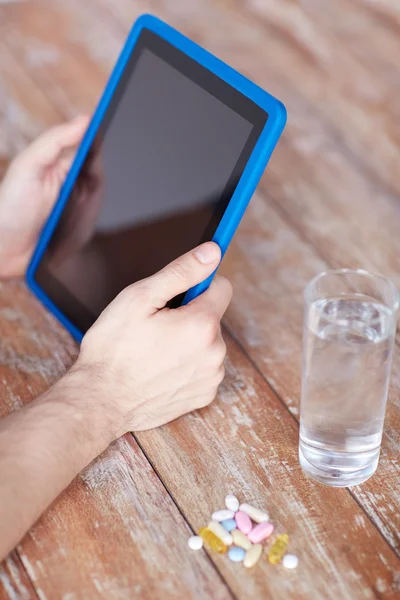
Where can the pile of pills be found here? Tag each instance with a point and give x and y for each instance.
(240, 529)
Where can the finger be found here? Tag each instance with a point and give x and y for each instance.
(65, 164)
(215, 300)
(48, 146)
(182, 274)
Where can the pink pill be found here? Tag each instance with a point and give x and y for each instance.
(260, 532)
(243, 522)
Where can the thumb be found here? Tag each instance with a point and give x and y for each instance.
(48, 146)
(183, 273)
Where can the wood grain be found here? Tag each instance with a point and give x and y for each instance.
(247, 442)
(14, 581)
(21, 118)
(330, 197)
(297, 178)
(117, 534)
(311, 176)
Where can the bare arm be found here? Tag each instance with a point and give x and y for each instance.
(43, 447)
(141, 365)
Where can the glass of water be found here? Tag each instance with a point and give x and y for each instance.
(349, 331)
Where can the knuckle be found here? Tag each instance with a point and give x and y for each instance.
(208, 328)
(138, 292)
(179, 270)
(221, 351)
(221, 374)
(207, 399)
(217, 354)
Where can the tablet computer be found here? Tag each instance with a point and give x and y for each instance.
(171, 158)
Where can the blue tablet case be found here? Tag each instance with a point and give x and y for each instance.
(247, 183)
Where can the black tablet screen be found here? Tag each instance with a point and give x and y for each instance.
(159, 174)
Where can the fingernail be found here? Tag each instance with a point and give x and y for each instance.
(207, 253)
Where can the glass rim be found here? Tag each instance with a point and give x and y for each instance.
(364, 273)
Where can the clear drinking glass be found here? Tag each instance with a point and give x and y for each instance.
(349, 330)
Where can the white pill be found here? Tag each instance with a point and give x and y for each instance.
(222, 515)
(232, 503)
(290, 561)
(255, 514)
(220, 532)
(195, 542)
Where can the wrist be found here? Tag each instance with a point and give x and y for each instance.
(85, 404)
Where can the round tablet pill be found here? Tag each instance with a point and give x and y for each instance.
(236, 554)
(290, 561)
(232, 503)
(229, 524)
(195, 542)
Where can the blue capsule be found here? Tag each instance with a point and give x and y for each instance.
(236, 554)
(229, 524)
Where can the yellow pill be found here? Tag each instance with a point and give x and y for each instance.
(212, 541)
(252, 556)
(278, 548)
(239, 539)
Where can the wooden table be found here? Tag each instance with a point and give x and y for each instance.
(330, 198)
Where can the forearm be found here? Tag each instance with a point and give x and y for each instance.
(43, 447)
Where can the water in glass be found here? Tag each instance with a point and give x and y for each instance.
(347, 359)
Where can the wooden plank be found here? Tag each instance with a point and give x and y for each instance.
(366, 586)
(245, 442)
(293, 75)
(298, 176)
(33, 34)
(115, 532)
(305, 140)
(14, 582)
(308, 160)
(348, 212)
(246, 456)
(314, 77)
(269, 266)
(330, 33)
(130, 505)
(22, 107)
(336, 86)
(386, 12)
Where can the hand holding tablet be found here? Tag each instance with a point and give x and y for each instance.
(171, 158)
(158, 364)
